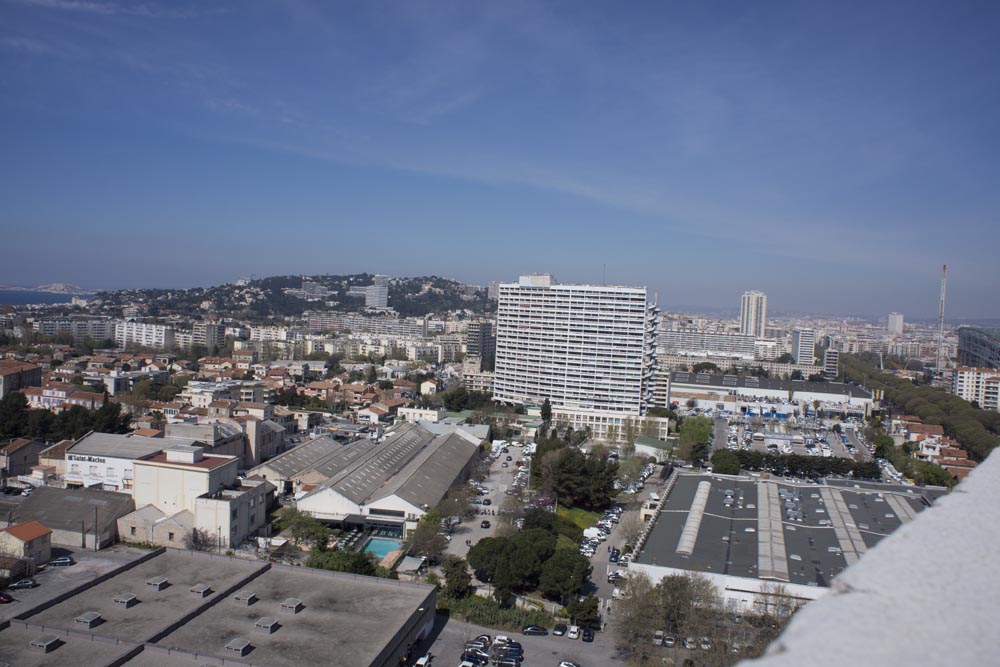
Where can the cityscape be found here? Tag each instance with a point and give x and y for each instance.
(526, 335)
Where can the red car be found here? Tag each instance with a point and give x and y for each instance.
(6, 598)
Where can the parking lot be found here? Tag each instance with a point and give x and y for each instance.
(807, 439)
(54, 581)
(541, 651)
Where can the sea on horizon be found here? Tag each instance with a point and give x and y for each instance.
(22, 297)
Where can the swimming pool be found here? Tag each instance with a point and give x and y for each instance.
(381, 546)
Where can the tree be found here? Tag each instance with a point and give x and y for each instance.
(199, 539)
(635, 615)
(354, 562)
(786, 358)
(457, 577)
(371, 375)
(706, 367)
(725, 462)
(629, 471)
(630, 527)
(584, 612)
(686, 603)
(564, 574)
(299, 525)
(546, 410)
(13, 415)
(426, 541)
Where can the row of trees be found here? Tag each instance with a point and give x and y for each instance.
(795, 465)
(18, 421)
(689, 606)
(976, 430)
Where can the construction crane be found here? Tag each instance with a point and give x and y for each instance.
(940, 342)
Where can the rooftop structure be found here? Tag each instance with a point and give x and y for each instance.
(741, 533)
(192, 608)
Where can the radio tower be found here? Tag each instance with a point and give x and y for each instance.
(940, 341)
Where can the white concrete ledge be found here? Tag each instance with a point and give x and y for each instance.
(929, 594)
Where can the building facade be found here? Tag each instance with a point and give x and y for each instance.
(979, 347)
(588, 349)
(804, 346)
(144, 334)
(895, 324)
(753, 314)
(377, 294)
(981, 385)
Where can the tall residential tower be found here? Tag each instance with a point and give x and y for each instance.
(753, 314)
(589, 349)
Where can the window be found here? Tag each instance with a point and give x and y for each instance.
(170, 536)
(132, 530)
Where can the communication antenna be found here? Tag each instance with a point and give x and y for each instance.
(940, 341)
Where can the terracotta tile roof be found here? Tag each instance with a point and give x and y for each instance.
(27, 531)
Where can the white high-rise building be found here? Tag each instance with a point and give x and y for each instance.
(144, 334)
(753, 314)
(896, 324)
(804, 346)
(377, 294)
(589, 349)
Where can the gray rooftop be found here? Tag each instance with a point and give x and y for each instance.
(837, 527)
(323, 454)
(112, 445)
(67, 509)
(734, 382)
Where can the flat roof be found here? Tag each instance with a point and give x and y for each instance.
(343, 620)
(156, 610)
(112, 445)
(15, 648)
(731, 382)
(837, 525)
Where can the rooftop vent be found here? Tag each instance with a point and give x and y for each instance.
(89, 619)
(291, 606)
(266, 625)
(245, 598)
(126, 599)
(45, 643)
(159, 583)
(238, 646)
(201, 590)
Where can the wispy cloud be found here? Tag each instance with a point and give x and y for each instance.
(27, 45)
(111, 8)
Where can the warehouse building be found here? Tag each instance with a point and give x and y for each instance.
(193, 608)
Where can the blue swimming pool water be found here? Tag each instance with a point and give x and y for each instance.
(380, 546)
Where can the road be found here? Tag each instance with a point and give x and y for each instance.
(496, 483)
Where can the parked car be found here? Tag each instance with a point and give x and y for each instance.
(23, 583)
(484, 524)
(62, 561)
(6, 598)
(559, 630)
(487, 501)
(534, 630)
(669, 640)
(588, 634)
(574, 632)
(658, 638)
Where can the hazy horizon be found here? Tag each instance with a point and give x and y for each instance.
(833, 156)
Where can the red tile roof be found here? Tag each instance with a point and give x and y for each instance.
(27, 531)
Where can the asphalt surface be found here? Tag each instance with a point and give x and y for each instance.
(546, 651)
(54, 581)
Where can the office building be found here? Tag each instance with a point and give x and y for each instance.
(896, 324)
(979, 347)
(588, 349)
(753, 314)
(377, 294)
(804, 346)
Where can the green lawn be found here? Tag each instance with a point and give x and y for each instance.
(582, 518)
(563, 542)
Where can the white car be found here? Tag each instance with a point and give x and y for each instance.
(574, 632)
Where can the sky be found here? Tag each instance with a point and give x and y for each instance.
(833, 155)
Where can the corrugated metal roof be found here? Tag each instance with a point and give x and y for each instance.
(113, 445)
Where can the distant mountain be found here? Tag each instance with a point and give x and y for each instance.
(52, 288)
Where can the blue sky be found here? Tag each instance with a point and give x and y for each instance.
(831, 154)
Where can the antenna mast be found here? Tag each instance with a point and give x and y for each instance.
(940, 341)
